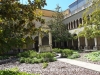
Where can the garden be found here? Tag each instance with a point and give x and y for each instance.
(33, 63)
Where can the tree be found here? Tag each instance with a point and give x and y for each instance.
(16, 22)
(91, 22)
(59, 31)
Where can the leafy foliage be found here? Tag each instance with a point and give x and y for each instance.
(59, 31)
(57, 50)
(45, 64)
(93, 56)
(34, 57)
(66, 53)
(16, 22)
(14, 71)
(91, 22)
(74, 55)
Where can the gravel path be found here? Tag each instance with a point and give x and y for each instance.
(54, 68)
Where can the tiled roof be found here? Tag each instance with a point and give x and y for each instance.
(47, 13)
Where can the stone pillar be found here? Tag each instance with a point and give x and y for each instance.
(95, 42)
(73, 25)
(86, 43)
(50, 40)
(78, 43)
(68, 26)
(33, 45)
(40, 41)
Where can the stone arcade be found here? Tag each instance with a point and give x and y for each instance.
(45, 31)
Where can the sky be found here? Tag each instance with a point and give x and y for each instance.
(52, 4)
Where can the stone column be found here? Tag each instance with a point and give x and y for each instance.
(68, 26)
(86, 43)
(40, 42)
(50, 40)
(73, 25)
(95, 42)
(78, 43)
(33, 45)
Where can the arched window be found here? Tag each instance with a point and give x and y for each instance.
(80, 20)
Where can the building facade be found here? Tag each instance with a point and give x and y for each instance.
(72, 19)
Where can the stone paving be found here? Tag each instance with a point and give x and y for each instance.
(94, 67)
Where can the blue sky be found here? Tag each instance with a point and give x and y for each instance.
(51, 4)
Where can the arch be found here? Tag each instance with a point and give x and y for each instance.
(80, 20)
(67, 26)
(71, 25)
(36, 43)
(45, 40)
(74, 24)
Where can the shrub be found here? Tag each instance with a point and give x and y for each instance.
(4, 57)
(29, 53)
(45, 64)
(47, 56)
(93, 56)
(8, 72)
(57, 50)
(66, 53)
(34, 57)
(74, 55)
(28, 60)
(22, 60)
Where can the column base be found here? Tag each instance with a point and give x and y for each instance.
(95, 48)
(86, 48)
(80, 47)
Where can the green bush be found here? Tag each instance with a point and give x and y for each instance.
(34, 57)
(66, 53)
(22, 59)
(57, 50)
(4, 57)
(8, 72)
(29, 53)
(74, 55)
(47, 56)
(45, 64)
(93, 56)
